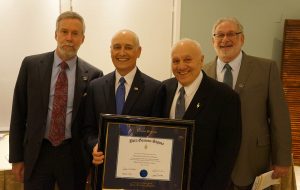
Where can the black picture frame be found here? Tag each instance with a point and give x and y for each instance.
(147, 130)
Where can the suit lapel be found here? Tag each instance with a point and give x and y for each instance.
(135, 91)
(212, 70)
(244, 73)
(45, 71)
(109, 93)
(198, 102)
(81, 81)
(171, 90)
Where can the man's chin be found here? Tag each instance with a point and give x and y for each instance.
(182, 80)
(68, 54)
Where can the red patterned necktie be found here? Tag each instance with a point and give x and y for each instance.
(59, 108)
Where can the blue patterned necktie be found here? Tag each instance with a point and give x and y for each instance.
(228, 75)
(180, 104)
(120, 95)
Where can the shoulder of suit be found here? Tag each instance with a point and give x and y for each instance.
(208, 65)
(103, 79)
(257, 59)
(148, 79)
(40, 56)
(88, 66)
(169, 81)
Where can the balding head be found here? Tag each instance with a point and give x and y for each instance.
(187, 61)
(125, 50)
(126, 32)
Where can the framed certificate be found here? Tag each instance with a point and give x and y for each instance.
(145, 152)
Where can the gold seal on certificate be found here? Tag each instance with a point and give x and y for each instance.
(145, 152)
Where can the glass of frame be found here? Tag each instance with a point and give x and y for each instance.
(145, 152)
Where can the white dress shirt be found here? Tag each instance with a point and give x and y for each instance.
(128, 78)
(235, 68)
(190, 91)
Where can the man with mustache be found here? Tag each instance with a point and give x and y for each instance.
(45, 145)
(266, 133)
(140, 90)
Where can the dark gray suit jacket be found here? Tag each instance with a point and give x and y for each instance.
(30, 107)
(216, 111)
(265, 118)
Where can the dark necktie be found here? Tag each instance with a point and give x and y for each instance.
(120, 95)
(180, 104)
(120, 100)
(228, 75)
(59, 108)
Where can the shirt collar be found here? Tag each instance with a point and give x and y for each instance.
(71, 63)
(129, 77)
(234, 64)
(190, 89)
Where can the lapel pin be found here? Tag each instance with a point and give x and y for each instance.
(136, 88)
(84, 94)
(198, 105)
(84, 77)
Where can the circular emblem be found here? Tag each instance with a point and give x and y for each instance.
(143, 173)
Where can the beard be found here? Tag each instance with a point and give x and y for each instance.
(67, 50)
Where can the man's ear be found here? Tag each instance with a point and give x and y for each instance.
(83, 38)
(139, 51)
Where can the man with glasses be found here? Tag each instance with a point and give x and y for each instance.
(266, 134)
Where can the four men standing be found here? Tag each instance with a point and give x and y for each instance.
(48, 129)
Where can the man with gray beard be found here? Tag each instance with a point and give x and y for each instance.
(45, 145)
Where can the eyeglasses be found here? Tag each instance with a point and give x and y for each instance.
(229, 35)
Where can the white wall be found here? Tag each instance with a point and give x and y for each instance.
(28, 28)
(152, 23)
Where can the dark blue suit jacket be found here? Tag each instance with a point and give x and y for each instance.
(216, 111)
(101, 99)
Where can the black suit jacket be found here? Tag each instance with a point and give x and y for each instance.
(101, 99)
(30, 107)
(216, 111)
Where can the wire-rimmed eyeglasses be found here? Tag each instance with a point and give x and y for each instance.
(229, 35)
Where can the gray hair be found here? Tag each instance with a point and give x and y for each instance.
(229, 19)
(72, 15)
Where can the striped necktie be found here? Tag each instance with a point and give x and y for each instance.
(228, 75)
(180, 104)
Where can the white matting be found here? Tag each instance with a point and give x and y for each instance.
(4, 164)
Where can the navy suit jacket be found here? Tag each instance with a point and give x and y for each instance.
(216, 111)
(30, 107)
